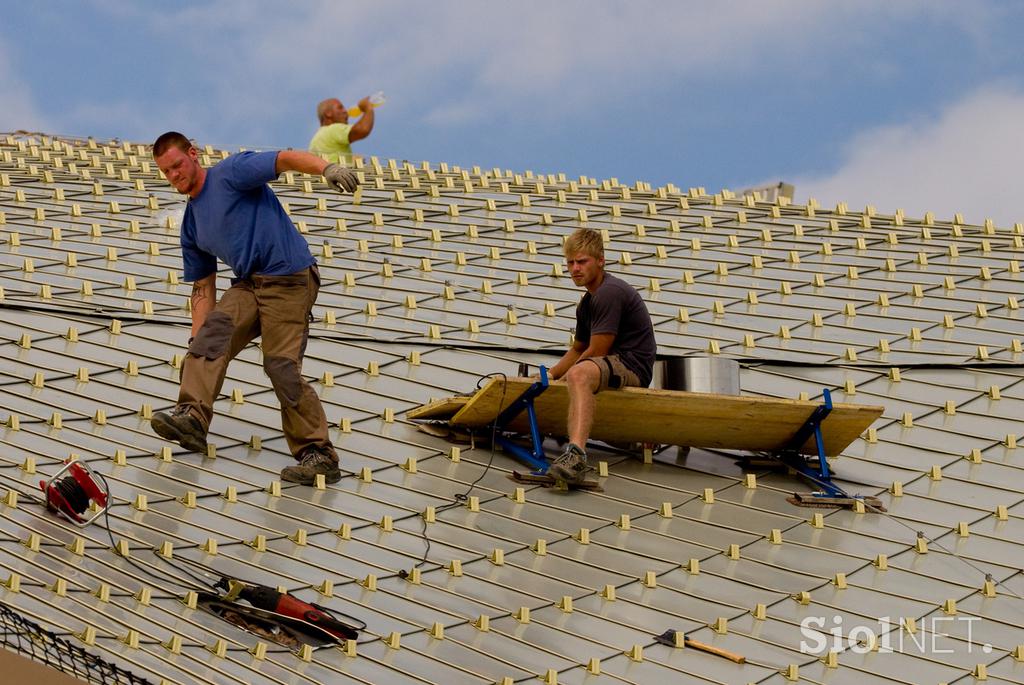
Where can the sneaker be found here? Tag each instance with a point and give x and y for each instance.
(181, 427)
(571, 466)
(314, 461)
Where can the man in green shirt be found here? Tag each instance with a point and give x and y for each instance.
(334, 136)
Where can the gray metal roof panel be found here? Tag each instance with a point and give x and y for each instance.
(997, 468)
(842, 355)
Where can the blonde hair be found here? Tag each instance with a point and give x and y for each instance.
(585, 240)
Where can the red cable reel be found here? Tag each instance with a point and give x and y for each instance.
(70, 496)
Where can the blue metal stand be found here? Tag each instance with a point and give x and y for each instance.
(791, 457)
(533, 457)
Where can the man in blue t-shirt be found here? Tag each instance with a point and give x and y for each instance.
(613, 347)
(233, 215)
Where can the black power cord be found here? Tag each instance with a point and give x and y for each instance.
(464, 496)
(212, 581)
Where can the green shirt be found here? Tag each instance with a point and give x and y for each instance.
(332, 141)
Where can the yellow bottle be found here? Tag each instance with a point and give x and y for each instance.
(376, 100)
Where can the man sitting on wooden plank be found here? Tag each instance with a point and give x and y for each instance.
(614, 346)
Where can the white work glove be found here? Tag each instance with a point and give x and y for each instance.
(341, 179)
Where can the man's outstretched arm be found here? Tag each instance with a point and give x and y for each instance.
(300, 160)
(338, 177)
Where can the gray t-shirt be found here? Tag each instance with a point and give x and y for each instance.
(617, 308)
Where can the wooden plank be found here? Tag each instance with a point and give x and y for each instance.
(441, 409)
(674, 417)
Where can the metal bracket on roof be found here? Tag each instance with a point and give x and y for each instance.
(829, 493)
(790, 454)
(533, 457)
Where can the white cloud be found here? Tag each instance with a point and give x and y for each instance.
(19, 109)
(123, 118)
(966, 159)
(559, 57)
(453, 112)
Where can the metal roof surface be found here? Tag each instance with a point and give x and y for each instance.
(435, 276)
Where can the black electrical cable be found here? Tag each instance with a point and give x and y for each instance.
(921, 534)
(918, 533)
(464, 496)
(204, 584)
(78, 501)
(149, 571)
(74, 495)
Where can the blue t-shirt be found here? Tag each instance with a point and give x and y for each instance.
(237, 218)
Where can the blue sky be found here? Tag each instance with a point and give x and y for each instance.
(910, 104)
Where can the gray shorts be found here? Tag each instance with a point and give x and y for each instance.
(614, 373)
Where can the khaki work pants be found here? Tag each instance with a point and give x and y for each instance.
(276, 308)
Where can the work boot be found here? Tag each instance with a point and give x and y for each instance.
(313, 461)
(181, 427)
(571, 466)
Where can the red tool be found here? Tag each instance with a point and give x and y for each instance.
(71, 495)
(284, 604)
